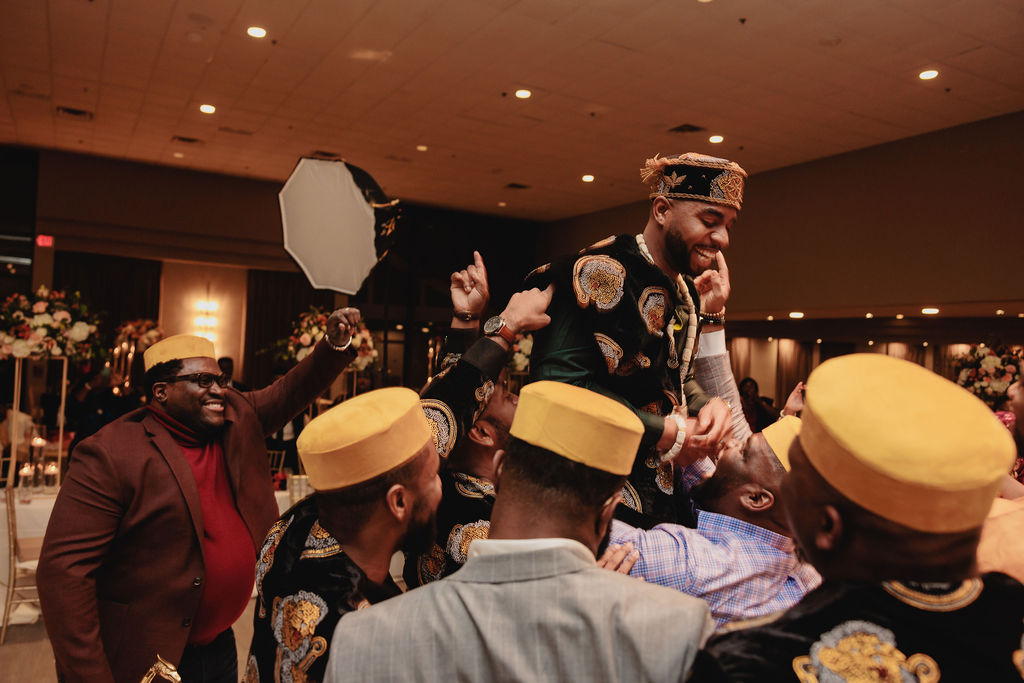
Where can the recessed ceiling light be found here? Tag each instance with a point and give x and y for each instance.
(1020, 315)
(421, 148)
(399, 327)
(771, 317)
(930, 311)
(870, 342)
(818, 340)
(796, 314)
(502, 204)
(869, 315)
(523, 94)
(207, 108)
(899, 316)
(924, 343)
(425, 330)
(771, 339)
(1000, 311)
(179, 155)
(703, 2)
(256, 31)
(587, 178)
(715, 139)
(928, 74)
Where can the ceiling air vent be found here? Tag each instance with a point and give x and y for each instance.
(235, 131)
(25, 91)
(186, 140)
(395, 157)
(517, 186)
(686, 128)
(72, 113)
(324, 154)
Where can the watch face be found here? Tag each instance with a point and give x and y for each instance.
(492, 325)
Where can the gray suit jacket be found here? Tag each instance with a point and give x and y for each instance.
(542, 615)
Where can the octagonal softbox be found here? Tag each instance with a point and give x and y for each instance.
(338, 223)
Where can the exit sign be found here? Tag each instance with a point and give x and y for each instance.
(44, 240)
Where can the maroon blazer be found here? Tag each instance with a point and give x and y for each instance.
(121, 569)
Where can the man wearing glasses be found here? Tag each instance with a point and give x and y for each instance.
(151, 547)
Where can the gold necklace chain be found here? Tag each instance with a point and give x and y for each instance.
(691, 323)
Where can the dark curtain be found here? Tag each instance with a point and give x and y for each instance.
(273, 302)
(116, 287)
(794, 365)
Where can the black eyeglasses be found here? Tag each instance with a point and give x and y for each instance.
(204, 379)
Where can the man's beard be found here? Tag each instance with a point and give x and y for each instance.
(420, 536)
(678, 253)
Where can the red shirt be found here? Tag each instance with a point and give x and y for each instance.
(229, 556)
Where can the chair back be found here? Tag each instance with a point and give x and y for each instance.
(276, 461)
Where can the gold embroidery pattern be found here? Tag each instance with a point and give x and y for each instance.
(463, 534)
(266, 559)
(637, 362)
(862, 652)
(472, 487)
(443, 427)
(611, 351)
(539, 270)
(966, 593)
(320, 543)
(601, 244)
(654, 408)
(653, 303)
(664, 478)
(728, 187)
(252, 671)
(294, 621)
(431, 565)
(598, 280)
(630, 498)
(482, 395)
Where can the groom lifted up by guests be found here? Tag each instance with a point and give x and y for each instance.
(625, 319)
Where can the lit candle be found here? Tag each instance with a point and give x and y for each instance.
(50, 473)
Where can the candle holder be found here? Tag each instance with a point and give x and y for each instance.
(50, 475)
(25, 483)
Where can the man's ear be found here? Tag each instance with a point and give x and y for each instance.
(830, 528)
(160, 392)
(399, 503)
(756, 499)
(607, 512)
(659, 208)
(481, 434)
(499, 465)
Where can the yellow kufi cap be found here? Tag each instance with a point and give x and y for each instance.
(579, 425)
(904, 443)
(178, 347)
(780, 435)
(363, 437)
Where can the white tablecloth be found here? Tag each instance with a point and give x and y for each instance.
(31, 519)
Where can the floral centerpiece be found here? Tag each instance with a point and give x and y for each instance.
(988, 372)
(141, 333)
(521, 350)
(50, 324)
(311, 327)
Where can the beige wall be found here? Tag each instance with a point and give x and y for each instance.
(95, 204)
(183, 285)
(937, 218)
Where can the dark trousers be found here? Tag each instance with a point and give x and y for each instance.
(216, 662)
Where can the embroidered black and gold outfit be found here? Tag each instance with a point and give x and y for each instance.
(452, 401)
(457, 395)
(619, 327)
(305, 583)
(463, 515)
(967, 631)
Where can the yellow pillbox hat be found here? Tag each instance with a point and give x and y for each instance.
(178, 347)
(363, 437)
(904, 443)
(780, 435)
(579, 425)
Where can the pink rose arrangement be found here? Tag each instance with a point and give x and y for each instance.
(311, 327)
(987, 372)
(51, 324)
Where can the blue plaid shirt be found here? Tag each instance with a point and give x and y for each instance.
(741, 570)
